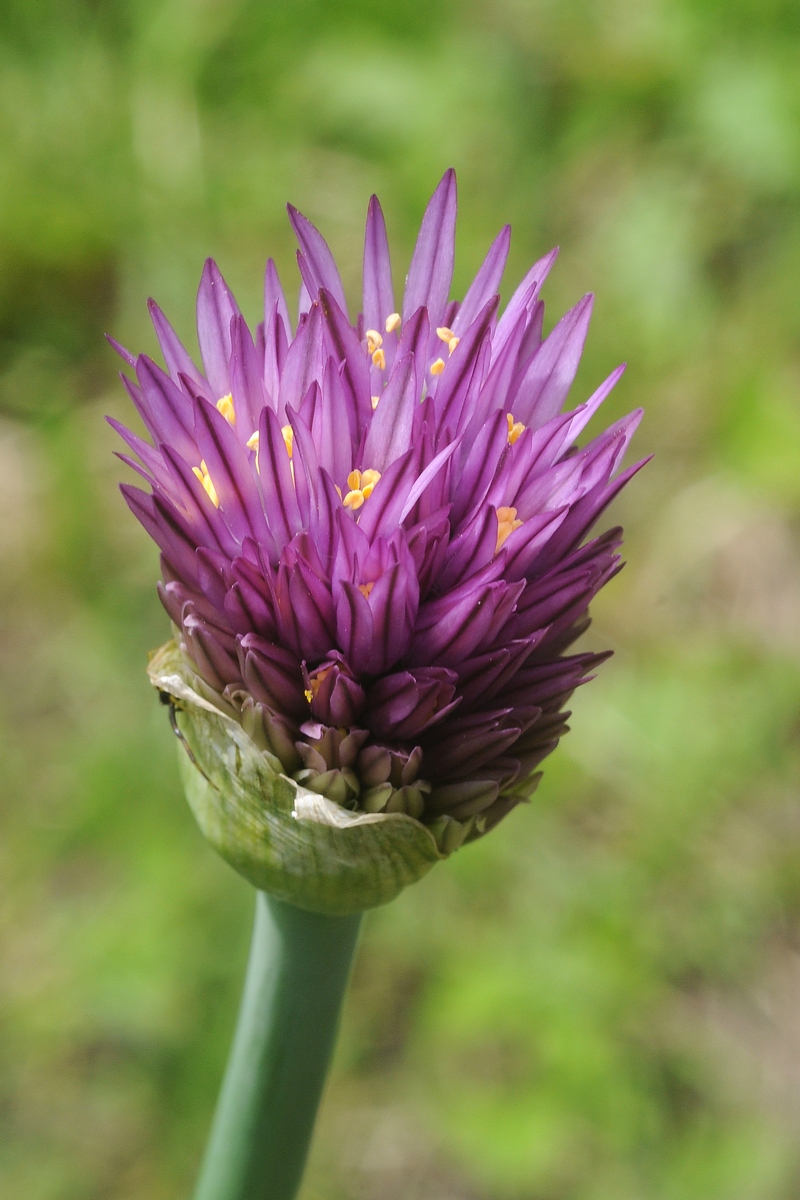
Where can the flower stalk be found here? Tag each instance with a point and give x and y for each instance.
(296, 979)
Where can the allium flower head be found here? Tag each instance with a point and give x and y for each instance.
(373, 529)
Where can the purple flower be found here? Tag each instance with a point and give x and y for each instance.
(372, 532)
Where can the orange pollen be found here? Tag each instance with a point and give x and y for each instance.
(288, 438)
(379, 360)
(393, 322)
(515, 429)
(374, 401)
(437, 367)
(506, 524)
(374, 340)
(366, 588)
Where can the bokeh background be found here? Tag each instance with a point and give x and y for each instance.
(601, 1001)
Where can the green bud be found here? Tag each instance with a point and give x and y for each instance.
(281, 835)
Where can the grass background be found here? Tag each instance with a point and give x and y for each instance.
(601, 1001)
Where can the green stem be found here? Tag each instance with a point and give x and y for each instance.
(296, 979)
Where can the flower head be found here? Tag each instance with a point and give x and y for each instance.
(373, 531)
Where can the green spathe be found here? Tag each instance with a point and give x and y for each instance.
(287, 841)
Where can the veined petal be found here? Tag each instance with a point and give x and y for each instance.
(431, 270)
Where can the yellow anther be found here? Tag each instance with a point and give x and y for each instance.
(451, 345)
(309, 695)
(374, 340)
(202, 474)
(393, 322)
(252, 442)
(288, 439)
(361, 485)
(444, 333)
(365, 589)
(506, 524)
(515, 429)
(437, 367)
(379, 359)
(225, 406)
(368, 480)
(374, 401)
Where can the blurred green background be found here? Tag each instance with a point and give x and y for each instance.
(601, 1001)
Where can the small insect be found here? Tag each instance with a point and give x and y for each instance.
(165, 698)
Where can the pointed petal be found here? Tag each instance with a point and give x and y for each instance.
(486, 283)
(378, 290)
(318, 257)
(216, 308)
(431, 270)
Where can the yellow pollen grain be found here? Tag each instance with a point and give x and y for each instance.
(515, 429)
(225, 406)
(365, 589)
(202, 474)
(370, 477)
(451, 345)
(252, 442)
(375, 401)
(361, 485)
(354, 480)
(379, 360)
(354, 499)
(374, 340)
(309, 695)
(506, 524)
(288, 439)
(444, 333)
(437, 367)
(393, 321)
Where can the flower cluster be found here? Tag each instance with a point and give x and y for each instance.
(373, 531)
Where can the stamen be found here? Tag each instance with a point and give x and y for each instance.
(368, 480)
(379, 359)
(366, 588)
(288, 438)
(361, 485)
(506, 524)
(202, 474)
(374, 340)
(309, 695)
(393, 321)
(515, 429)
(444, 333)
(451, 345)
(354, 499)
(374, 401)
(225, 406)
(252, 444)
(437, 367)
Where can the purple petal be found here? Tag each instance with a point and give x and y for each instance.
(378, 290)
(216, 308)
(389, 434)
(526, 294)
(431, 270)
(348, 352)
(552, 369)
(486, 283)
(177, 358)
(274, 297)
(316, 252)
